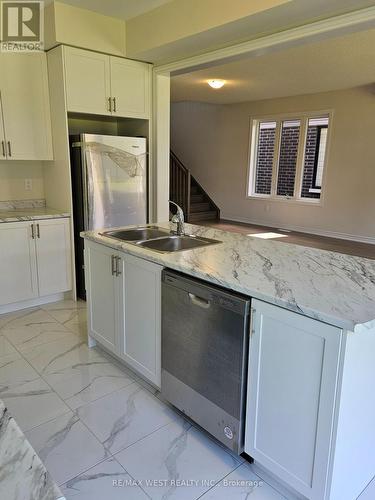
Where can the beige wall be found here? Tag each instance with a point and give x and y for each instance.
(213, 142)
(181, 23)
(65, 24)
(182, 28)
(12, 180)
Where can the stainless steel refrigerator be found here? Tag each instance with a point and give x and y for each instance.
(109, 183)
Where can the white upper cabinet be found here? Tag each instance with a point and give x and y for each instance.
(87, 76)
(106, 85)
(26, 133)
(3, 151)
(292, 381)
(130, 88)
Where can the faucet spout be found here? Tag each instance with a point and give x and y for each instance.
(178, 219)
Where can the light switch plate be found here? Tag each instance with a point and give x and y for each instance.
(28, 184)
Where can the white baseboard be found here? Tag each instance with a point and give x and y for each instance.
(39, 301)
(300, 229)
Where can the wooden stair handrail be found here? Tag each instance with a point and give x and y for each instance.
(180, 182)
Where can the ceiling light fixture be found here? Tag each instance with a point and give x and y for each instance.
(216, 84)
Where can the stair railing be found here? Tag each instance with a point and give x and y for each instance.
(180, 181)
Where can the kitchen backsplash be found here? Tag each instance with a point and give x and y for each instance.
(22, 204)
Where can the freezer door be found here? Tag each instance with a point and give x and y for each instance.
(116, 180)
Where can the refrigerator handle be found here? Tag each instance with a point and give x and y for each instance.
(110, 104)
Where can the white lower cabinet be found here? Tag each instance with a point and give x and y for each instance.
(292, 383)
(102, 290)
(35, 260)
(140, 339)
(52, 240)
(124, 304)
(17, 263)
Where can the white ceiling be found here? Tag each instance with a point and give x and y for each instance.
(339, 63)
(123, 9)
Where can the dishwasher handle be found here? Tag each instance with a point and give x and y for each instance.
(205, 295)
(199, 301)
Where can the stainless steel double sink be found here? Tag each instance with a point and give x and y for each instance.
(159, 239)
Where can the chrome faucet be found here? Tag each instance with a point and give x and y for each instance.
(178, 219)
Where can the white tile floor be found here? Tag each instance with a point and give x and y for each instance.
(101, 431)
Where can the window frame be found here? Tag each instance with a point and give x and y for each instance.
(315, 188)
(304, 117)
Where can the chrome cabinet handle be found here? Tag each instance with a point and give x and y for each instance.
(109, 104)
(32, 231)
(118, 271)
(113, 265)
(37, 231)
(9, 149)
(198, 301)
(3, 146)
(114, 105)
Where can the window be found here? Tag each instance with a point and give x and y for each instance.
(265, 153)
(288, 157)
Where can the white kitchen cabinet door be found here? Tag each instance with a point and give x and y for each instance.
(52, 239)
(87, 80)
(25, 104)
(292, 382)
(3, 149)
(102, 295)
(18, 275)
(130, 88)
(140, 321)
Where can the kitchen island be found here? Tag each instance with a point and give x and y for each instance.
(331, 287)
(310, 407)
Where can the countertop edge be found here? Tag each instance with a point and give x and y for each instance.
(25, 218)
(16, 441)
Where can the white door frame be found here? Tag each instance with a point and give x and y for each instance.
(329, 28)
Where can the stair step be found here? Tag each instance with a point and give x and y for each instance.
(197, 198)
(199, 207)
(211, 214)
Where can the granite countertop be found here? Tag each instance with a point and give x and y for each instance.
(25, 214)
(22, 474)
(331, 287)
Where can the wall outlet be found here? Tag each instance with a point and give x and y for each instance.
(28, 184)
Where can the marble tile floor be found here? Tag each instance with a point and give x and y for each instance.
(102, 432)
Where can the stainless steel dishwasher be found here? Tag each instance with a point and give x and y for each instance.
(205, 334)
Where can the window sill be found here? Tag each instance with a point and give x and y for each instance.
(296, 201)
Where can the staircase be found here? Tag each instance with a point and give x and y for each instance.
(186, 191)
